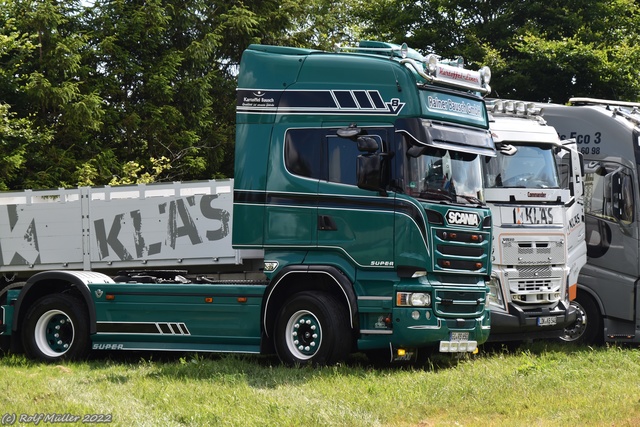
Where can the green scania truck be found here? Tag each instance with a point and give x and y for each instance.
(355, 222)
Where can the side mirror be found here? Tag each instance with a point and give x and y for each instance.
(349, 132)
(577, 173)
(571, 167)
(366, 144)
(621, 196)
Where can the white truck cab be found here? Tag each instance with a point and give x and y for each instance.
(534, 189)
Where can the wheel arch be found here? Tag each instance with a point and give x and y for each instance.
(317, 277)
(58, 281)
(584, 290)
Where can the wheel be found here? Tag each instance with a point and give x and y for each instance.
(588, 327)
(312, 328)
(56, 327)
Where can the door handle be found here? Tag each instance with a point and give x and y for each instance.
(326, 223)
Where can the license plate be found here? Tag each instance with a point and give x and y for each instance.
(459, 336)
(546, 321)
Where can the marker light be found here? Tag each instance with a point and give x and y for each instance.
(432, 64)
(532, 109)
(509, 107)
(485, 73)
(404, 50)
(496, 106)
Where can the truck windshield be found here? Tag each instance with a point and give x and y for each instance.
(445, 175)
(530, 167)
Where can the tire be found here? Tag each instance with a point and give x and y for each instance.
(55, 328)
(588, 328)
(312, 329)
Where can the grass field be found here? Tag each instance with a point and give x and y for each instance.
(543, 384)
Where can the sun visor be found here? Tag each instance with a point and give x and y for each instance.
(447, 137)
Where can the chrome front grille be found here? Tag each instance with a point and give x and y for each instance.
(533, 252)
(459, 303)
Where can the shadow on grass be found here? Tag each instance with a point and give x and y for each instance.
(542, 347)
(261, 371)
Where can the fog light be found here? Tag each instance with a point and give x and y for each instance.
(415, 314)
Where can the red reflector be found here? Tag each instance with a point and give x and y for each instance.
(446, 263)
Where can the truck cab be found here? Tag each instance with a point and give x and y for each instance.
(364, 167)
(607, 134)
(534, 188)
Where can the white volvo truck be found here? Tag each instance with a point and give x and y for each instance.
(534, 189)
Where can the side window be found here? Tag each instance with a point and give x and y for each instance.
(303, 152)
(321, 154)
(564, 168)
(594, 201)
(342, 157)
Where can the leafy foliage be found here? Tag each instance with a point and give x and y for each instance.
(538, 50)
(114, 91)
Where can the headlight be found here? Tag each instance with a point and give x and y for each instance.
(413, 299)
(420, 300)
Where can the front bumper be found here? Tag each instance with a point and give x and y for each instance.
(437, 331)
(520, 325)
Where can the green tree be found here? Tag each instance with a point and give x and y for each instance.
(44, 84)
(19, 136)
(166, 70)
(538, 50)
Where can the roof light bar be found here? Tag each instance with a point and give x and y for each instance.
(430, 68)
(515, 108)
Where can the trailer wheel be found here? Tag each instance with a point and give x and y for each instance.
(312, 328)
(588, 328)
(56, 327)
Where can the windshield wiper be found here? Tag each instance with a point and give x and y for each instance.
(471, 199)
(437, 194)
